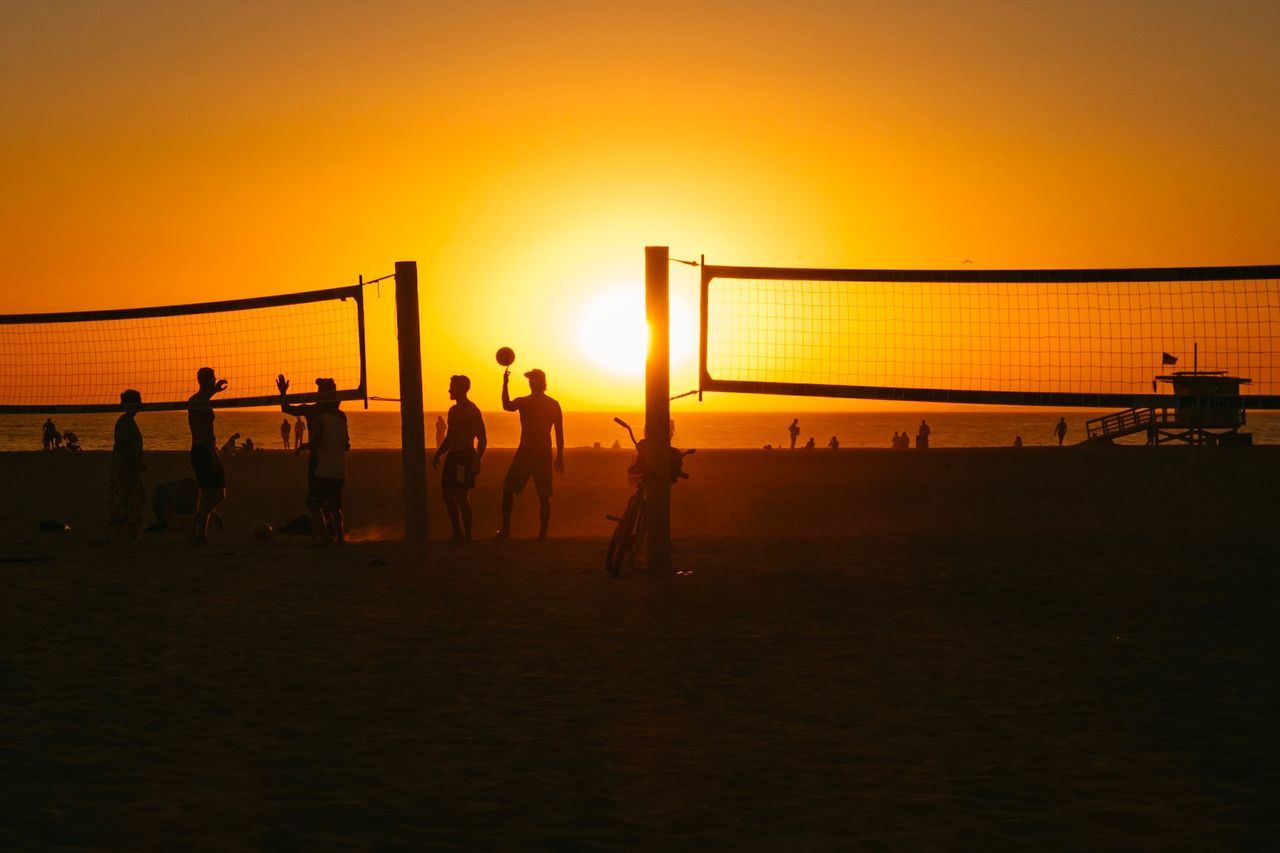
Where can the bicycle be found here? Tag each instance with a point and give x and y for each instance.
(628, 536)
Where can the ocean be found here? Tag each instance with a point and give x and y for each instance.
(381, 430)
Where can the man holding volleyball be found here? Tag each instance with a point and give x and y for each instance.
(539, 415)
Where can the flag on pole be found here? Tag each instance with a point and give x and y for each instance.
(1165, 358)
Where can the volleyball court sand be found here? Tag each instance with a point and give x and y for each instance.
(987, 648)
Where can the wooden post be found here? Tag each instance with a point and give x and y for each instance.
(657, 410)
(413, 443)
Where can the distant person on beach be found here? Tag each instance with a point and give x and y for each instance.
(1153, 435)
(70, 440)
(442, 428)
(229, 446)
(894, 444)
(922, 435)
(127, 494)
(248, 446)
(463, 444)
(794, 430)
(205, 464)
(47, 434)
(539, 416)
(1017, 441)
(1061, 430)
(327, 459)
(286, 432)
(299, 430)
(834, 443)
(809, 445)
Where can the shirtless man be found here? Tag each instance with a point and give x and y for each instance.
(210, 478)
(539, 414)
(464, 443)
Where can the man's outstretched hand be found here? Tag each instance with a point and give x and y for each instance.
(282, 384)
(219, 386)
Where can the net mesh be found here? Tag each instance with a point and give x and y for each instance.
(1046, 340)
(83, 362)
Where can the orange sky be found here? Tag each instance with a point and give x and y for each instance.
(525, 153)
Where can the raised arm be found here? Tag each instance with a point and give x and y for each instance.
(507, 405)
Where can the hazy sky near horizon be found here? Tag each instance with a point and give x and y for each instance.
(525, 153)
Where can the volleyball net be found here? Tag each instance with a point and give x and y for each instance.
(81, 361)
(1014, 337)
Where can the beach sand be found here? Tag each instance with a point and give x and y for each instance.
(984, 649)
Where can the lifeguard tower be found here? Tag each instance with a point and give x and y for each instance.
(1207, 410)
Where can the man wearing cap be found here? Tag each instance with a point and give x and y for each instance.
(539, 414)
(326, 461)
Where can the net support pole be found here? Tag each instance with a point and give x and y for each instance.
(657, 410)
(413, 441)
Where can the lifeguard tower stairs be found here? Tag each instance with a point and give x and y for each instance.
(1207, 409)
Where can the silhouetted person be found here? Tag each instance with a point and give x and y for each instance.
(442, 429)
(794, 430)
(127, 494)
(205, 464)
(1017, 441)
(299, 430)
(464, 443)
(809, 445)
(922, 435)
(72, 441)
(834, 443)
(248, 445)
(1153, 435)
(286, 432)
(229, 446)
(47, 434)
(1061, 430)
(327, 460)
(539, 415)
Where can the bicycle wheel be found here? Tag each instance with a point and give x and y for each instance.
(622, 544)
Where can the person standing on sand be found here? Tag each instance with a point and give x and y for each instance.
(1061, 430)
(46, 438)
(285, 432)
(205, 463)
(794, 430)
(299, 430)
(539, 415)
(464, 441)
(326, 458)
(128, 495)
(922, 435)
(442, 428)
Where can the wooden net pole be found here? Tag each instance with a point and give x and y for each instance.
(657, 410)
(413, 442)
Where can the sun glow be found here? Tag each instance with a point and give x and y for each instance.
(613, 334)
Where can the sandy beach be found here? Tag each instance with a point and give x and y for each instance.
(954, 649)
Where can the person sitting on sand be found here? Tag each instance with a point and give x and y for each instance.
(794, 431)
(539, 416)
(205, 463)
(127, 493)
(464, 443)
(229, 446)
(893, 445)
(809, 445)
(834, 443)
(248, 445)
(71, 441)
(285, 433)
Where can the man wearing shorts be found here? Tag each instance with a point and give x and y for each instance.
(463, 444)
(539, 414)
(327, 459)
(210, 478)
